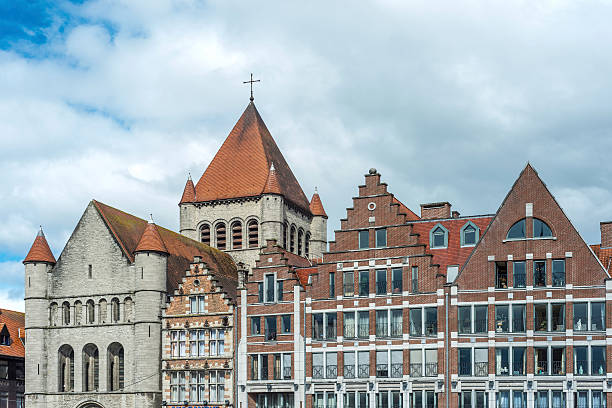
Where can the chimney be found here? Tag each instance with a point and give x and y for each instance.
(436, 210)
(606, 234)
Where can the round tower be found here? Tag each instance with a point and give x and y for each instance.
(272, 205)
(150, 260)
(38, 265)
(188, 220)
(318, 227)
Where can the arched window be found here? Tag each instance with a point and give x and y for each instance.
(541, 229)
(307, 245)
(253, 228)
(205, 234)
(284, 233)
(128, 313)
(300, 243)
(53, 314)
(91, 367)
(292, 239)
(469, 234)
(103, 311)
(517, 230)
(78, 312)
(236, 235)
(65, 313)
(220, 232)
(115, 310)
(438, 237)
(115, 367)
(91, 312)
(66, 368)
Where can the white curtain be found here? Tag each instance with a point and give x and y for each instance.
(503, 399)
(518, 400)
(582, 399)
(543, 399)
(596, 400)
(557, 400)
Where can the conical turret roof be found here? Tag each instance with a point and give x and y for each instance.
(272, 186)
(150, 240)
(316, 206)
(40, 251)
(189, 193)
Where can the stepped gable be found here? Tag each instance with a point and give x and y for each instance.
(14, 323)
(585, 268)
(241, 166)
(316, 206)
(128, 230)
(189, 194)
(40, 251)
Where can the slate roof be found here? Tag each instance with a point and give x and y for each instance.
(15, 323)
(128, 230)
(241, 166)
(40, 251)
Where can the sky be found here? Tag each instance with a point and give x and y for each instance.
(120, 100)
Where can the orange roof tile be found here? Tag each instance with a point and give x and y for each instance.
(272, 186)
(151, 241)
(241, 166)
(316, 206)
(189, 194)
(304, 273)
(410, 215)
(128, 229)
(15, 323)
(604, 255)
(40, 251)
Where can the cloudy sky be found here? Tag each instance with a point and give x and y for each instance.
(119, 100)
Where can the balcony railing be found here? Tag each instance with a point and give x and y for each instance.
(431, 369)
(382, 370)
(519, 280)
(381, 330)
(518, 369)
(396, 330)
(330, 333)
(396, 286)
(349, 331)
(286, 373)
(364, 288)
(542, 368)
(364, 370)
(331, 371)
(397, 370)
(416, 370)
(480, 326)
(363, 331)
(381, 288)
(481, 369)
(349, 289)
(582, 367)
(431, 328)
(558, 368)
(501, 325)
(317, 371)
(349, 371)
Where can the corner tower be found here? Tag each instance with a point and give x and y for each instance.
(247, 195)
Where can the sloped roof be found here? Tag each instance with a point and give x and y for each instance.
(189, 194)
(15, 323)
(128, 229)
(316, 206)
(241, 166)
(40, 251)
(304, 273)
(410, 215)
(151, 241)
(604, 255)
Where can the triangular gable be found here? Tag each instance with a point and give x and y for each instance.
(530, 189)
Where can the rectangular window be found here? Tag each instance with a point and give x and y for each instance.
(198, 385)
(317, 326)
(519, 274)
(331, 365)
(364, 283)
(349, 325)
(481, 319)
(541, 360)
(196, 304)
(197, 343)
(381, 237)
(518, 361)
(363, 325)
(4, 369)
(286, 323)
(598, 316)
(382, 323)
(363, 368)
(396, 280)
(541, 399)
(255, 325)
(260, 292)
(558, 400)
(382, 364)
(416, 362)
(598, 360)
(332, 285)
(581, 362)
(286, 366)
(414, 287)
(581, 318)
(277, 367)
(465, 361)
(481, 362)
(465, 319)
(364, 237)
(558, 360)
(270, 328)
(396, 323)
(539, 273)
(416, 322)
(279, 291)
(317, 365)
(263, 373)
(216, 346)
(518, 318)
(598, 399)
(331, 331)
(431, 362)
(177, 386)
(540, 317)
(558, 272)
(502, 361)
(557, 317)
(269, 283)
(216, 385)
(381, 282)
(349, 284)
(501, 275)
(177, 343)
(502, 319)
(349, 364)
(254, 367)
(431, 321)
(397, 363)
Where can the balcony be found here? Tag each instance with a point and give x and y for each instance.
(416, 370)
(481, 369)
(431, 369)
(542, 367)
(349, 371)
(317, 372)
(364, 370)
(286, 373)
(381, 288)
(397, 370)
(558, 368)
(396, 286)
(331, 371)
(363, 331)
(382, 370)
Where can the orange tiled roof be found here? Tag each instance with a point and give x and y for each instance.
(604, 255)
(15, 323)
(316, 206)
(410, 215)
(271, 186)
(128, 229)
(189, 194)
(40, 251)
(304, 273)
(241, 166)
(151, 241)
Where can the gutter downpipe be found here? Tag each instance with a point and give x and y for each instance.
(446, 351)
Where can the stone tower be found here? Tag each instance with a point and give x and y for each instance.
(248, 195)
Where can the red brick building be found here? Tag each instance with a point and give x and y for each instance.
(12, 355)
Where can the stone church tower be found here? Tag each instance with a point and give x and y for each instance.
(248, 195)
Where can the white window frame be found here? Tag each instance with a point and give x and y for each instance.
(178, 338)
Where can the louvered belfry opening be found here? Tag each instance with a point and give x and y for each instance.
(253, 228)
(236, 235)
(205, 234)
(115, 367)
(220, 232)
(91, 367)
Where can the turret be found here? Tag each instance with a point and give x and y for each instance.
(188, 211)
(318, 227)
(150, 260)
(38, 264)
(272, 208)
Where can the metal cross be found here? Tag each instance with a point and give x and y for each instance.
(251, 82)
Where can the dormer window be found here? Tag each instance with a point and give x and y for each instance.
(541, 229)
(438, 237)
(469, 234)
(517, 231)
